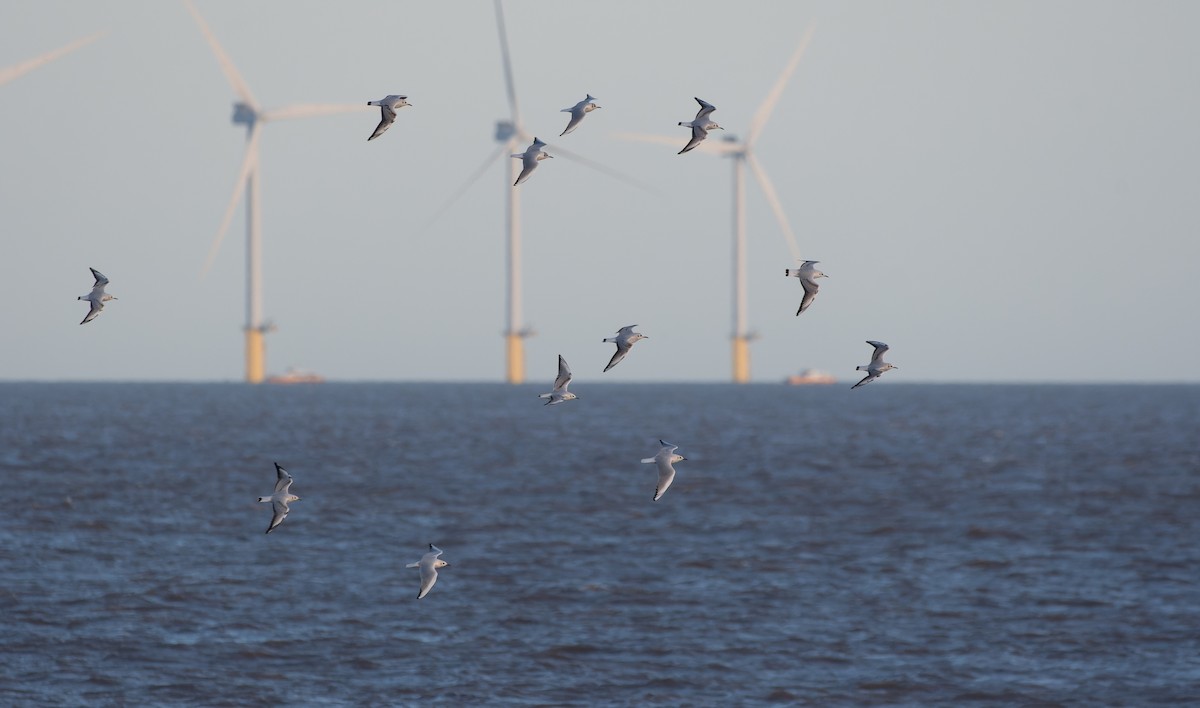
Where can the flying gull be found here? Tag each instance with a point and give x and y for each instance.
(388, 105)
(560, 392)
(429, 565)
(624, 340)
(578, 111)
(877, 365)
(97, 297)
(530, 158)
(808, 279)
(281, 498)
(665, 459)
(700, 125)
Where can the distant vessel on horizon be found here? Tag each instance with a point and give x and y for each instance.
(809, 377)
(296, 376)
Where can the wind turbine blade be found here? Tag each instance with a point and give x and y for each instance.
(776, 205)
(508, 74)
(231, 73)
(713, 147)
(305, 110)
(768, 104)
(249, 164)
(9, 73)
(601, 168)
(496, 154)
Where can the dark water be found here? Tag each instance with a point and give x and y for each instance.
(899, 545)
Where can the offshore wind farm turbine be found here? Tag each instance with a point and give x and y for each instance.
(9, 73)
(248, 112)
(742, 153)
(513, 138)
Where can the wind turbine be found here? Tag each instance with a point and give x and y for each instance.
(743, 154)
(249, 113)
(512, 136)
(9, 73)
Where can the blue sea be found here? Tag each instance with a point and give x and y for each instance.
(901, 544)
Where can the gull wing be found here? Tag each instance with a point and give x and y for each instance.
(626, 331)
(810, 293)
(698, 136)
(577, 114)
(666, 475)
(564, 375)
(97, 306)
(623, 348)
(428, 578)
(530, 162)
(388, 116)
(283, 480)
(281, 511)
(880, 348)
(866, 380)
(705, 108)
(101, 280)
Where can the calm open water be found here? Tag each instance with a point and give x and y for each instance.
(902, 545)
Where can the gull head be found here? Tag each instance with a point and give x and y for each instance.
(291, 498)
(568, 396)
(439, 563)
(543, 155)
(107, 297)
(713, 126)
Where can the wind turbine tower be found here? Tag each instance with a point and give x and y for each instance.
(513, 138)
(247, 112)
(508, 132)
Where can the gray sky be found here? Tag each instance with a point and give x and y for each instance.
(1002, 191)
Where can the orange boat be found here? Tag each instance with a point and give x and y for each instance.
(296, 376)
(811, 377)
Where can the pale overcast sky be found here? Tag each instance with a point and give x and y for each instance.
(1003, 191)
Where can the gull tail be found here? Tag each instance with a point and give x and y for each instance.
(264, 499)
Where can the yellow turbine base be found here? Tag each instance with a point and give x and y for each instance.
(741, 360)
(515, 346)
(255, 356)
